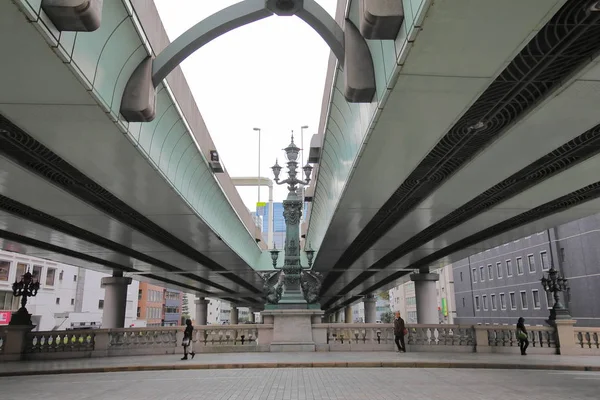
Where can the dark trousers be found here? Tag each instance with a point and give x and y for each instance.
(399, 339)
(523, 344)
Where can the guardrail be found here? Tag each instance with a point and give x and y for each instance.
(587, 340)
(503, 339)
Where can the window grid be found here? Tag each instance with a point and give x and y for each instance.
(499, 269)
(509, 269)
(520, 270)
(524, 305)
(502, 301)
(513, 302)
(531, 263)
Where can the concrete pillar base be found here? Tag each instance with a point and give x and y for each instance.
(348, 317)
(292, 329)
(201, 311)
(115, 301)
(370, 303)
(426, 296)
(234, 316)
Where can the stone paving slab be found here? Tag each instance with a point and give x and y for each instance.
(309, 384)
(303, 360)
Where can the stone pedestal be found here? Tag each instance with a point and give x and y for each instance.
(426, 296)
(115, 301)
(566, 337)
(292, 329)
(201, 311)
(14, 342)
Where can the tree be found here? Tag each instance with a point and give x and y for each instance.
(384, 295)
(387, 317)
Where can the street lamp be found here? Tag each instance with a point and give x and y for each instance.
(300, 287)
(258, 175)
(24, 288)
(555, 284)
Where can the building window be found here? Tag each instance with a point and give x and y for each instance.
(490, 272)
(531, 262)
(74, 278)
(493, 300)
(50, 276)
(481, 278)
(60, 275)
(544, 258)
(474, 273)
(72, 302)
(485, 303)
(21, 269)
(509, 270)
(139, 312)
(477, 306)
(499, 269)
(524, 305)
(536, 299)
(100, 304)
(139, 294)
(502, 301)
(463, 302)
(58, 300)
(513, 301)
(519, 266)
(37, 273)
(4, 270)
(461, 276)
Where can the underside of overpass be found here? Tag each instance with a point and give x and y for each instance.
(485, 130)
(80, 185)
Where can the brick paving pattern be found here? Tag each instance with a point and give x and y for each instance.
(309, 384)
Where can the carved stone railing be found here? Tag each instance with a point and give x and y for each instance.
(503, 339)
(60, 341)
(587, 340)
(348, 337)
(142, 341)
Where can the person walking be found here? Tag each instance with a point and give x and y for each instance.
(399, 332)
(522, 336)
(188, 342)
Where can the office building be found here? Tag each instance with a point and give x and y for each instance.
(382, 306)
(278, 223)
(69, 297)
(500, 285)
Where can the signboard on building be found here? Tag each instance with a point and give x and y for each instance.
(5, 317)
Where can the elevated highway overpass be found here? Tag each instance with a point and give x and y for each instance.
(484, 130)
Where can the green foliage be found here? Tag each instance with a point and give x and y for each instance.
(384, 295)
(387, 317)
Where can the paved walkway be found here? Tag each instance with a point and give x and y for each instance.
(309, 384)
(303, 360)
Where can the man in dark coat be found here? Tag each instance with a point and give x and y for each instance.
(399, 332)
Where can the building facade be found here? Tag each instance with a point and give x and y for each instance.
(500, 285)
(151, 302)
(278, 223)
(69, 297)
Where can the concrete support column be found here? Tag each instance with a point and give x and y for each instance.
(233, 320)
(370, 303)
(426, 296)
(252, 313)
(348, 315)
(115, 300)
(336, 316)
(201, 311)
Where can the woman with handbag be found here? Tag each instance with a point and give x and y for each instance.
(188, 343)
(522, 336)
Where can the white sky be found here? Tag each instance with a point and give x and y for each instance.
(269, 74)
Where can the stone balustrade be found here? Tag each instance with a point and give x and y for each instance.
(373, 337)
(20, 343)
(587, 340)
(503, 339)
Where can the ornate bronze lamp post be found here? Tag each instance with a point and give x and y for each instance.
(555, 284)
(301, 286)
(24, 288)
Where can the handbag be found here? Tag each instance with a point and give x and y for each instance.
(521, 335)
(405, 331)
(185, 342)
